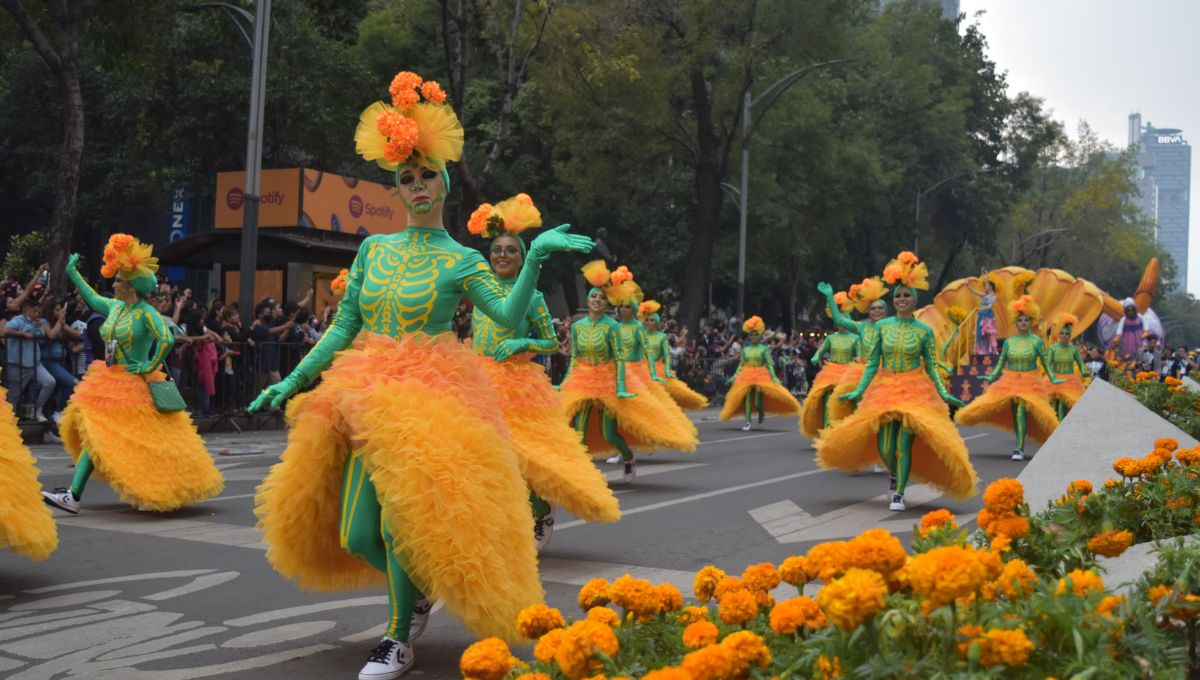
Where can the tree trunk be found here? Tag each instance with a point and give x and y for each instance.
(710, 171)
(949, 264)
(66, 188)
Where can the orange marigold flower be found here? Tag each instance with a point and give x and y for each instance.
(1016, 579)
(792, 571)
(761, 576)
(693, 614)
(533, 676)
(1110, 543)
(1182, 607)
(535, 621)
(669, 597)
(1111, 484)
(488, 659)
(727, 585)
(985, 518)
(876, 549)
(737, 607)
(1010, 648)
(401, 143)
(971, 632)
(700, 634)
(576, 652)
(546, 647)
(404, 90)
(1081, 581)
(594, 593)
(937, 519)
(108, 271)
(748, 650)
(853, 598)
(828, 669)
(1109, 605)
(826, 560)
(946, 573)
(705, 583)
(634, 595)
(710, 663)
(478, 222)
(1167, 443)
(1009, 525)
(604, 615)
(433, 92)
(1127, 467)
(1001, 543)
(1079, 487)
(789, 616)
(120, 241)
(670, 673)
(1004, 495)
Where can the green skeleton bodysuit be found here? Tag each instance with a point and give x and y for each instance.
(487, 335)
(755, 354)
(634, 344)
(598, 342)
(842, 348)
(1022, 353)
(658, 350)
(1064, 359)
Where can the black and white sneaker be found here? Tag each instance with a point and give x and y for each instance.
(897, 504)
(543, 529)
(420, 618)
(388, 661)
(630, 471)
(1018, 454)
(63, 499)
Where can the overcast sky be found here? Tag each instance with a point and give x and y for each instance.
(1099, 61)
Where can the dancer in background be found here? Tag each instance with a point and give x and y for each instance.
(658, 353)
(754, 386)
(1065, 358)
(841, 347)
(868, 299)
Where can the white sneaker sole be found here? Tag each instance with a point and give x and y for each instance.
(54, 503)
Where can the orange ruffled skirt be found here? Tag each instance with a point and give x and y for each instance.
(154, 461)
(776, 399)
(812, 414)
(647, 422)
(551, 457)
(993, 408)
(423, 416)
(26, 526)
(687, 398)
(939, 453)
(1069, 391)
(839, 410)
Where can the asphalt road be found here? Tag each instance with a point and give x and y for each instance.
(189, 594)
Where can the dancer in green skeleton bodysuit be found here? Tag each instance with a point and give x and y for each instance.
(405, 425)
(658, 352)
(754, 386)
(841, 348)
(1018, 400)
(1065, 358)
(903, 402)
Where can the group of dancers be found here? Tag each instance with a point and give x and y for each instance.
(426, 464)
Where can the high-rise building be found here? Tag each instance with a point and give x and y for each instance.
(1165, 180)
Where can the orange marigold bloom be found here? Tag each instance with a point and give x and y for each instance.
(1111, 484)
(1079, 487)
(604, 615)
(876, 549)
(1009, 525)
(670, 673)
(546, 647)
(1016, 579)
(433, 92)
(1167, 443)
(826, 560)
(404, 90)
(533, 676)
(853, 598)
(700, 634)
(535, 621)
(710, 663)
(487, 659)
(931, 521)
(401, 143)
(727, 585)
(1109, 605)
(792, 571)
(790, 615)
(693, 614)
(1004, 495)
(1110, 543)
(985, 518)
(763, 599)
(828, 669)
(1182, 607)
(737, 607)
(634, 595)
(945, 574)
(971, 632)
(478, 222)
(120, 241)
(1127, 467)
(748, 650)
(594, 593)
(669, 597)
(575, 654)
(1010, 648)
(705, 583)
(1082, 582)
(761, 576)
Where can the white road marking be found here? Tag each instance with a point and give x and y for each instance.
(121, 579)
(273, 636)
(199, 583)
(304, 610)
(648, 470)
(787, 522)
(976, 436)
(744, 437)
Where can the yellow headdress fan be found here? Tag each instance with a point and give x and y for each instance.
(648, 309)
(867, 293)
(132, 261)
(906, 270)
(1024, 306)
(618, 286)
(416, 126)
(956, 315)
(754, 325)
(1021, 281)
(338, 284)
(510, 216)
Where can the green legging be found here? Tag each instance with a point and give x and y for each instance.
(608, 428)
(895, 449)
(1018, 416)
(754, 400)
(365, 535)
(83, 472)
(540, 507)
(1060, 407)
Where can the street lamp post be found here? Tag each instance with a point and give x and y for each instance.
(743, 194)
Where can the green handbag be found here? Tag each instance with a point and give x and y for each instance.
(166, 396)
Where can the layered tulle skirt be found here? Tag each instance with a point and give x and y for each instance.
(422, 414)
(812, 415)
(939, 455)
(993, 408)
(776, 399)
(647, 422)
(1070, 390)
(26, 526)
(687, 398)
(838, 409)
(153, 460)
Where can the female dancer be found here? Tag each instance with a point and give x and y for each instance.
(659, 350)
(1064, 359)
(550, 455)
(154, 460)
(754, 385)
(985, 319)
(405, 429)
(26, 526)
(867, 297)
(903, 408)
(841, 347)
(1019, 390)
(612, 408)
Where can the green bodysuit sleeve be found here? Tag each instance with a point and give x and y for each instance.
(771, 364)
(485, 292)
(931, 363)
(643, 339)
(869, 370)
(841, 320)
(539, 319)
(666, 355)
(821, 351)
(1044, 355)
(99, 303)
(1078, 361)
(946, 347)
(1000, 363)
(164, 340)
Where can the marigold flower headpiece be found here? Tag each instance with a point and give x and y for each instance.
(338, 284)
(956, 315)
(754, 324)
(1067, 319)
(843, 301)
(908, 271)
(510, 216)
(618, 285)
(1020, 283)
(648, 309)
(416, 126)
(130, 259)
(866, 293)
(1024, 306)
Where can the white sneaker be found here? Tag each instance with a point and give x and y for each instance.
(57, 417)
(420, 618)
(543, 530)
(614, 460)
(746, 427)
(1018, 454)
(51, 437)
(878, 469)
(630, 471)
(40, 417)
(388, 661)
(897, 504)
(63, 499)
